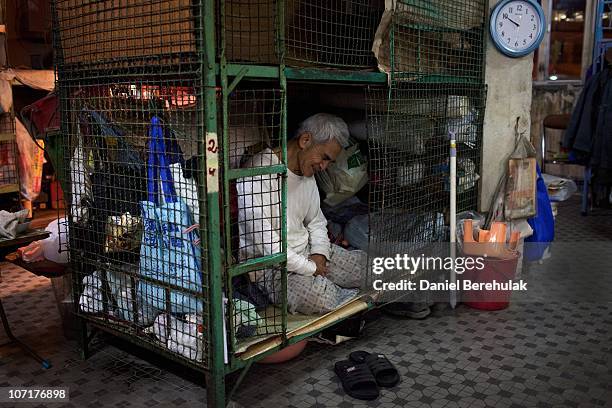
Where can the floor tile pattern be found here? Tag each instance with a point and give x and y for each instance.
(549, 349)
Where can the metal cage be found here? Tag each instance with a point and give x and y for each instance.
(170, 110)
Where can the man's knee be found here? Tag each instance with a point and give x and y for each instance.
(312, 295)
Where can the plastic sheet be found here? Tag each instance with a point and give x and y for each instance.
(31, 160)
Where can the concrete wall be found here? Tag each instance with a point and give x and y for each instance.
(508, 98)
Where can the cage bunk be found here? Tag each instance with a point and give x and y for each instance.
(164, 107)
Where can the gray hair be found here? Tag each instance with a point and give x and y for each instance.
(325, 127)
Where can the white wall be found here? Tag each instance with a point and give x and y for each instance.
(508, 97)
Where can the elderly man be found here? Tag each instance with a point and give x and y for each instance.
(321, 276)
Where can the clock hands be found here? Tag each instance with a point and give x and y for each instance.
(514, 22)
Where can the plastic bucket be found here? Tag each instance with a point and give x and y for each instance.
(500, 270)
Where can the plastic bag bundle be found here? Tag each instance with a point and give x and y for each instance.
(184, 337)
(344, 178)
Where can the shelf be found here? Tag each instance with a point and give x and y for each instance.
(344, 76)
(432, 28)
(9, 188)
(317, 74)
(417, 78)
(306, 74)
(6, 137)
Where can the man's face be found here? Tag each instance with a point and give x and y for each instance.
(314, 157)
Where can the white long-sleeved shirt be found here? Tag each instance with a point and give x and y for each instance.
(259, 209)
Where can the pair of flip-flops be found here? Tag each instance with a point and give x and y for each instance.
(363, 373)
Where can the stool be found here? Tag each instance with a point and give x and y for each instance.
(557, 122)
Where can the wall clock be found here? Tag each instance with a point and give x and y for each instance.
(517, 26)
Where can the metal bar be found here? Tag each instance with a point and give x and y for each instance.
(227, 231)
(261, 71)
(161, 283)
(216, 377)
(241, 74)
(241, 377)
(233, 174)
(100, 325)
(258, 263)
(453, 213)
(253, 71)
(432, 28)
(335, 75)
(15, 340)
(283, 136)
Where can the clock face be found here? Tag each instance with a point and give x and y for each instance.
(517, 27)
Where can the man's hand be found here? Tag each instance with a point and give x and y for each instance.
(321, 264)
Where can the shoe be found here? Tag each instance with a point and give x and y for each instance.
(411, 310)
(357, 380)
(384, 372)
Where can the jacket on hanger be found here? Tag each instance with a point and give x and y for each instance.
(589, 132)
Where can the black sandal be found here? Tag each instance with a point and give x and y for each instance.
(357, 380)
(384, 372)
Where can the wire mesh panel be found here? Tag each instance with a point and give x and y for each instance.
(250, 30)
(9, 174)
(254, 119)
(437, 38)
(331, 33)
(465, 115)
(335, 33)
(406, 145)
(409, 162)
(121, 33)
(134, 206)
(256, 207)
(132, 120)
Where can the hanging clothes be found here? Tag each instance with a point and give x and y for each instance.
(588, 133)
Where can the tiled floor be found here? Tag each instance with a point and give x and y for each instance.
(552, 348)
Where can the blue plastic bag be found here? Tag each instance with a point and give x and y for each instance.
(169, 251)
(543, 224)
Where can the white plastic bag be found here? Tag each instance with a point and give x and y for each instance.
(344, 178)
(559, 188)
(55, 246)
(91, 300)
(80, 183)
(186, 190)
(182, 337)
